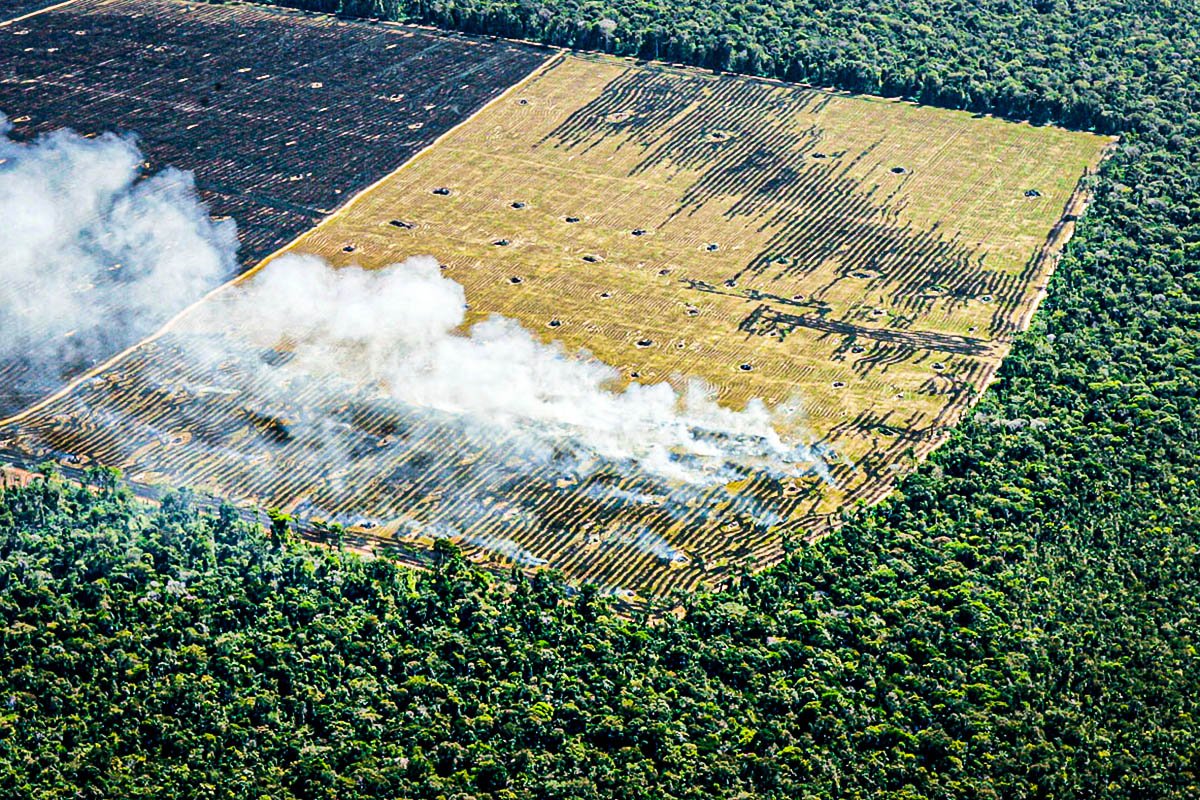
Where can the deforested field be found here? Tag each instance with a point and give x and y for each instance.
(868, 258)
(281, 115)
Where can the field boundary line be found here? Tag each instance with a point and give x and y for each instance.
(349, 204)
(1059, 237)
(165, 328)
(8, 22)
(1049, 254)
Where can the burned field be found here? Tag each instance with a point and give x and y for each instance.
(866, 260)
(281, 115)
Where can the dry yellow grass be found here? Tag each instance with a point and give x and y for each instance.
(872, 257)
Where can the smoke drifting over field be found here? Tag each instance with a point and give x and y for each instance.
(332, 392)
(92, 256)
(399, 329)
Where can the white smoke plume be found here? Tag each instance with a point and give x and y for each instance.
(92, 255)
(400, 329)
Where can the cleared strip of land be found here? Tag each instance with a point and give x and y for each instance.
(17, 10)
(872, 257)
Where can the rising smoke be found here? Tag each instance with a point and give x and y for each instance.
(399, 329)
(92, 254)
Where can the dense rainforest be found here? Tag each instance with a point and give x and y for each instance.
(1020, 620)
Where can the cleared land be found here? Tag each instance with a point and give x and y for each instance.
(281, 115)
(870, 256)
